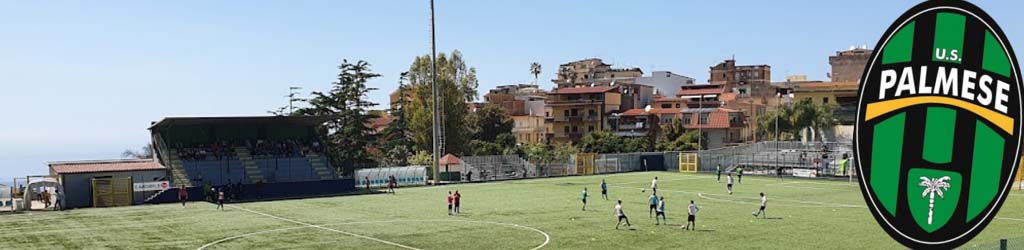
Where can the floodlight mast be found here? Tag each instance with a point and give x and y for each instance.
(436, 117)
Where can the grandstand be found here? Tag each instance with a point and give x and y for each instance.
(254, 153)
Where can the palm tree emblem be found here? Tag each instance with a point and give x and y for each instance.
(931, 188)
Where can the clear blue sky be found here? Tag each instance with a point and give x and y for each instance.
(83, 80)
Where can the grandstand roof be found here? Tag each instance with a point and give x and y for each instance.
(185, 121)
(95, 166)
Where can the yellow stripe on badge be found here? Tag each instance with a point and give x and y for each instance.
(877, 109)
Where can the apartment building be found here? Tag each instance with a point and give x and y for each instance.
(579, 110)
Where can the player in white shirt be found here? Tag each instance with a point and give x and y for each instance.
(654, 185)
(621, 215)
(691, 217)
(660, 212)
(728, 183)
(764, 202)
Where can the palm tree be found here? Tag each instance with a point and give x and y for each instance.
(535, 70)
(932, 187)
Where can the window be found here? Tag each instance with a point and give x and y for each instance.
(824, 100)
(590, 128)
(687, 118)
(566, 112)
(592, 113)
(703, 118)
(678, 105)
(575, 112)
(575, 129)
(667, 105)
(547, 114)
(566, 128)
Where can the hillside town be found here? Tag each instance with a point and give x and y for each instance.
(734, 104)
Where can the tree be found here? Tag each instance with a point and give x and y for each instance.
(490, 121)
(394, 139)
(601, 142)
(421, 158)
(635, 144)
(675, 137)
(932, 187)
(457, 86)
(798, 116)
(535, 71)
(145, 153)
(346, 131)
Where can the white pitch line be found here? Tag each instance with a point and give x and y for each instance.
(547, 238)
(326, 228)
(1007, 218)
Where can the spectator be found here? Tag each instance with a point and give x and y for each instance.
(59, 198)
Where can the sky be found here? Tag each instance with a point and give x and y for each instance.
(84, 79)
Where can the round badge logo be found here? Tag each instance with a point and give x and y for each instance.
(938, 130)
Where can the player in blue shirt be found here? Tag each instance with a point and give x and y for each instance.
(604, 189)
(653, 201)
(583, 197)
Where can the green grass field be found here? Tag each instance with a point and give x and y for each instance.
(545, 213)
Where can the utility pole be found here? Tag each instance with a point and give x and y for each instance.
(436, 92)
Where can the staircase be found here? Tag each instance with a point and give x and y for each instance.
(177, 171)
(252, 171)
(319, 166)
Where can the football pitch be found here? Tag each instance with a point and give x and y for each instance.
(525, 214)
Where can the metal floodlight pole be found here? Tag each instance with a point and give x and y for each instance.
(433, 83)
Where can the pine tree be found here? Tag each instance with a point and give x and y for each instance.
(346, 132)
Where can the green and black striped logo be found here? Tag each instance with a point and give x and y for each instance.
(938, 131)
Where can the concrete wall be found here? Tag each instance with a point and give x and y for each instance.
(78, 187)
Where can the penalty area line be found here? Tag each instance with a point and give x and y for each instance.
(325, 228)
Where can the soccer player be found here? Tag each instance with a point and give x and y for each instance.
(739, 174)
(764, 202)
(584, 198)
(660, 212)
(367, 181)
(691, 217)
(604, 189)
(718, 168)
(621, 215)
(450, 200)
(654, 186)
(220, 200)
(653, 203)
(182, 195)
(728, 183)
(391, 184)
(458, 198)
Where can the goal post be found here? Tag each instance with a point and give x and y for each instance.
(687, 162)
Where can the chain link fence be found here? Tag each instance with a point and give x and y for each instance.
(805, 159)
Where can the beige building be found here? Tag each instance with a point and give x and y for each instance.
(529, 129)
(848, 66)
(579, 110)
(843, 94)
